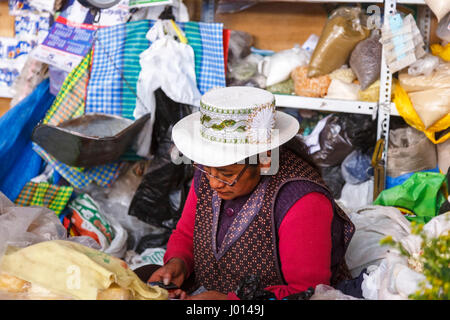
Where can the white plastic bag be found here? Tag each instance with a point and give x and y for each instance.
(372, 224)
(277, 68)
(355, 196)
(169, 65)
(424, 66)
(396, 277)
(341, 90)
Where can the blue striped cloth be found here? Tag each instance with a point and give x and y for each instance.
(103, 175)
(117, 50)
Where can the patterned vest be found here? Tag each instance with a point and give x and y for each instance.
(250, 245)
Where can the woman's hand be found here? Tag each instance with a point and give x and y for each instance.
(173, 271)
(208, 295)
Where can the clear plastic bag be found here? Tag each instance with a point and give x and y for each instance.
(24, 226)
(424, 66)
(443, 29)
(278, 67)
(342, 32)
(409, 151)
(365, 60)
(439, 7)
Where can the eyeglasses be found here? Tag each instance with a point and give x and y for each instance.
(221, 180)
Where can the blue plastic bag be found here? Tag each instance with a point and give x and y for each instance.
(18, 162)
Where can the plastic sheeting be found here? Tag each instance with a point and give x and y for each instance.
(19, 163)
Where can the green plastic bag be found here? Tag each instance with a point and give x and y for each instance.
(419, 197)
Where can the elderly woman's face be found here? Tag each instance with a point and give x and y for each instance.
(244, 185)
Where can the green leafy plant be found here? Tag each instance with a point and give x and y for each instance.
(433, 261)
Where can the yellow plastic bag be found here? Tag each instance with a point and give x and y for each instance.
(372, 93)
(440, 51)
(406, 110)
(72, 270)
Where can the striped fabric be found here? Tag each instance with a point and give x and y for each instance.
(70, 101)
(103, 175)
(44, 194)
(117, 50)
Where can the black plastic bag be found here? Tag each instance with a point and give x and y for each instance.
(160, 198)
(334, 142)
(332, 176)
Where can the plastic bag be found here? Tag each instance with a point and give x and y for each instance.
(438, 79)
(341, 90)
(443, 155)
(355, 196)
(277, 68)
(19, 163)
(344, 74)
(342, 32)
(32, 74)
(285, 87)
(419, 198)
(408, 113)
(441, 51)
(239, 45)
(431, 105)
(88, 220)
(316, 87)
(160, 197)
(409, 151)
(244, 72)
(443, 29)
(372, 93)
(356, 167)
(24, 226)
(424, 66)
(115, 202)
(365, 60)
(397, 277)
(335, 145)
(332, 176)
(169, 65)
(439, 7)
(372, 224)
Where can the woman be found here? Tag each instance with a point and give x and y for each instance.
(243, 217)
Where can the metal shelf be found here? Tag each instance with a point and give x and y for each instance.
(411, 2)
(344, 1)
(333, 105)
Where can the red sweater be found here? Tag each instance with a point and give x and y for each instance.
(304, 243)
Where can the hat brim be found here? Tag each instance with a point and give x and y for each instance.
(188, 140)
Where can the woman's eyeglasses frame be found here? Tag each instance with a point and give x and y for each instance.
(219, 179)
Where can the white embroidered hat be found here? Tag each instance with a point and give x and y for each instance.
(233, 124)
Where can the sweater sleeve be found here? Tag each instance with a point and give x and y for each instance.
(305, 245)
(180, 244)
